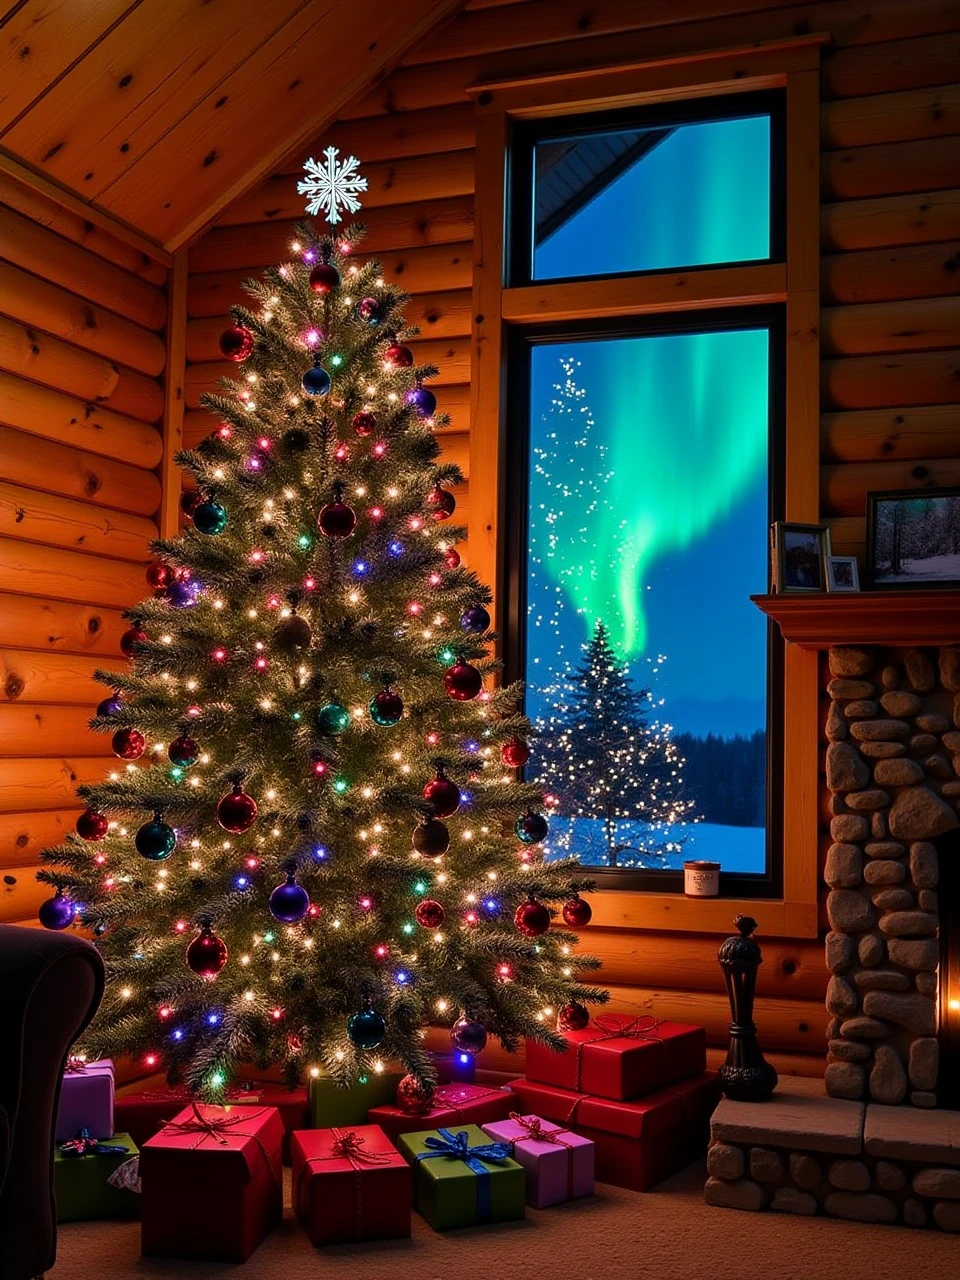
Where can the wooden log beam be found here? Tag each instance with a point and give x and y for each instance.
(30, 622)
(455, 448)
(60, 468)
(434, 269)
(47, 212)
(69, 575)
(890, 117)
(870, 435)
(50, 731)
(882, 275)
(62, 678)
(41, 411)
(925, 164)
(892, 220)
(36, 249)
(893, 65)
(924, 324)
(28, 353)
(39, 304)
(21, 893)
(873, 382)
(23, 835)
(415, 133)
(400, 226)
(54, 521)
(844, 485)
(848, 536)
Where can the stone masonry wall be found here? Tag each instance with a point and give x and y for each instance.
(893, 770)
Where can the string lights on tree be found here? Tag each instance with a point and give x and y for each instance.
(315, 840)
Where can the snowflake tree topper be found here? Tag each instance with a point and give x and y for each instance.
(332, 184)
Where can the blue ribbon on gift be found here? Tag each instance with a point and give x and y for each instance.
(85, 1144)
(456, 1146)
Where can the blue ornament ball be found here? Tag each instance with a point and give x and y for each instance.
(210, 518)
(366, 1029)
(57, 912)
(109, 706)
(424, 401)
(156, 840)
(316, 381)
(289, 902)
(182, 594)
(475, 619)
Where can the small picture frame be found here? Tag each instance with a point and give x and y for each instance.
(800, 554)
(842, 573)
(913, 539)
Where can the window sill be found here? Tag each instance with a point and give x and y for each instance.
(675, 913)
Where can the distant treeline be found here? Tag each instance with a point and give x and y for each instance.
(725, 777)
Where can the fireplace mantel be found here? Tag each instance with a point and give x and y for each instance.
(823, 620)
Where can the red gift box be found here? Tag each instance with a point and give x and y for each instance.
(144, 1113)
(453, 1104)
(212, 1183)
(350, 1184)
(620, 1057)
(638, 1143)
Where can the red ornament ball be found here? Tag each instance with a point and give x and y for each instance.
(532, 918)
(92, 825)
(206, 954)
(236, 343)
(131, 639)
(441, 503)
(430, 914)
(159, 575)
(431, 838)
(324, 278)
(451, 558)
(463, 681)
(128, 744)
(515, 753)
(398, 356)
(364, 422)
(577, 913)
(190, 499)
(415, 1097)
(573, 1017)
(183, 751)
(337, 520)
(237, 812)
(443, 794)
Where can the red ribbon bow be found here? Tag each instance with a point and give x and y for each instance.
(346, 1146)
(536, 1133)
(74, 1065)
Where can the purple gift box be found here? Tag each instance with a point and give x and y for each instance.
(86, 1099)
(558, 1163)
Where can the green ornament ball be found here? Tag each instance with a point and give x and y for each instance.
(366, 1029)
(333, 718)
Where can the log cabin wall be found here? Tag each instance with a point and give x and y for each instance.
(82, 320)
(890, 323)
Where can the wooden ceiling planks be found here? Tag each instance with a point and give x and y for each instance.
(160, 112)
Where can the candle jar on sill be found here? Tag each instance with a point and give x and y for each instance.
(701, 879)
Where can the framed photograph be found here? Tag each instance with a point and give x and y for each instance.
(842, 573)
(913, 538)
(800, 556)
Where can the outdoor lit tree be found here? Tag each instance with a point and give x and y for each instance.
(317, 841)
(608, 764)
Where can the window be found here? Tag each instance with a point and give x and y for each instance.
(673, 187)
(645, 402)
(642, 532)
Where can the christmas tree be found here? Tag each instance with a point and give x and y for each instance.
(319, 841)
(607, 763)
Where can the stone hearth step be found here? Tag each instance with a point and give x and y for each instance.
(805, 1153)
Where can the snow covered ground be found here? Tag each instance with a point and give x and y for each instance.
(735, 848)
(929, 569)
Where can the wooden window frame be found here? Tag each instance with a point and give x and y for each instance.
(793, 66)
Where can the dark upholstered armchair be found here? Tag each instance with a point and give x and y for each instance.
(50, 987)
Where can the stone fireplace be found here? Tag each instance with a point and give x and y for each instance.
(879, 1138)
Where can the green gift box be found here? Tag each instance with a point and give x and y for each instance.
(461, 1178)
(82, 1188)
(332, 1107)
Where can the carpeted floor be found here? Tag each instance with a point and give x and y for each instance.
(667, 1234)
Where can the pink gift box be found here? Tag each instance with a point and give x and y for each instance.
(558, 1163)
(86, 1099)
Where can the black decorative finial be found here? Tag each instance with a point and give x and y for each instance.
(746, 1075)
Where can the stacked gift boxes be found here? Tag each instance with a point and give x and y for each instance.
(638, 1088)
(91, 1161)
